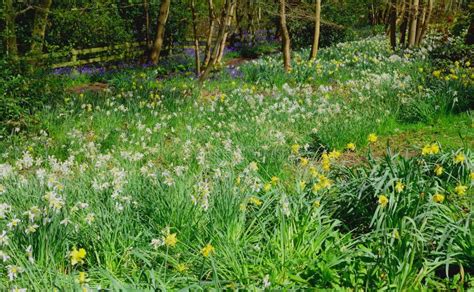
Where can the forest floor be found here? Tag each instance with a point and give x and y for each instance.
(352, 171)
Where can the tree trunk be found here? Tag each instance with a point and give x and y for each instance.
(220, 36)
(426, 21)
(227, 22)
(285, 37)
(470, 33)
(160, 31)
(393, 24)
(404, 24)
(196, 38)
(421, 18)
(212, 19)
(39, 26)
(10, 30)
(147, 23)
(413, 23)
(317, 27)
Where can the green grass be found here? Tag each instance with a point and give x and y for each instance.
(119, 172)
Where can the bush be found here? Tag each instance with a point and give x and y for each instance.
(301, 33)
(22, 93)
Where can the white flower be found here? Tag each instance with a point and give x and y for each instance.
(13, 271)
(266, 282)
(157, 242)
(4, 240)
(3, 256)
(29, 253)
(13, 223)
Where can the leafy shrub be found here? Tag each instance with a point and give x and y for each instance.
(22, 93)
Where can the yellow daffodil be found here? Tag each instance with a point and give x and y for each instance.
(77, 256)
(372, 138)
(304, 161)
(383, 200)
(295, 148)
(171, 240)
(267, 187)
(460, 189)
(207, 250)
(438, 170)
(438, 198)
(351, 146)
(459, 158)
(256, 201)
(275, 180)
(399, 187)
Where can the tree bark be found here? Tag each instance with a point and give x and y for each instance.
(160, 31)
(220, 36)
(227, 21)
(196, 38)
(413, 23)
(426, 21)
(285, 37)
(393, 24)
(212, 19)
(10, 38)
(147, 23)
(317, 27)
(404, 23)
(39, 26)
(421, 18)
(470, 33)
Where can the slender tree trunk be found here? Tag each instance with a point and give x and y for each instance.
(317, 26)
(470, 33)
(39, 26)
(393, 24)
(147, 23)
(227, 21)
(212, 19)
(413, 23)
(220, 36)
(404, 23)
(12, 47)
(196, 38)
(421, 18)
(427, 20)
(160, 31)
(285, 37)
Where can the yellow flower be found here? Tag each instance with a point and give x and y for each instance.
(82, 279)
(317, 204)
(399, 186)
(351, 146)
(256, 201)
(460, 189)
(304, 161)
(459, 158)
(326, 162)
(275, 180)
(267, 187)
(430, 149)
(181, 268)
(472, 175)
(313, 171)
(295, 148)
(372, 138)
(334, 154)
(207, 250)
(438, 170)
(77, 256)
(437, 73)
(383, 200)
(438, 198)
(302, 184)
(171, 240)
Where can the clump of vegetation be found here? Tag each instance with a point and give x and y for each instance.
(338, 165)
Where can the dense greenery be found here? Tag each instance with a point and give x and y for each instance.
(306, 145)
(262, 180)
